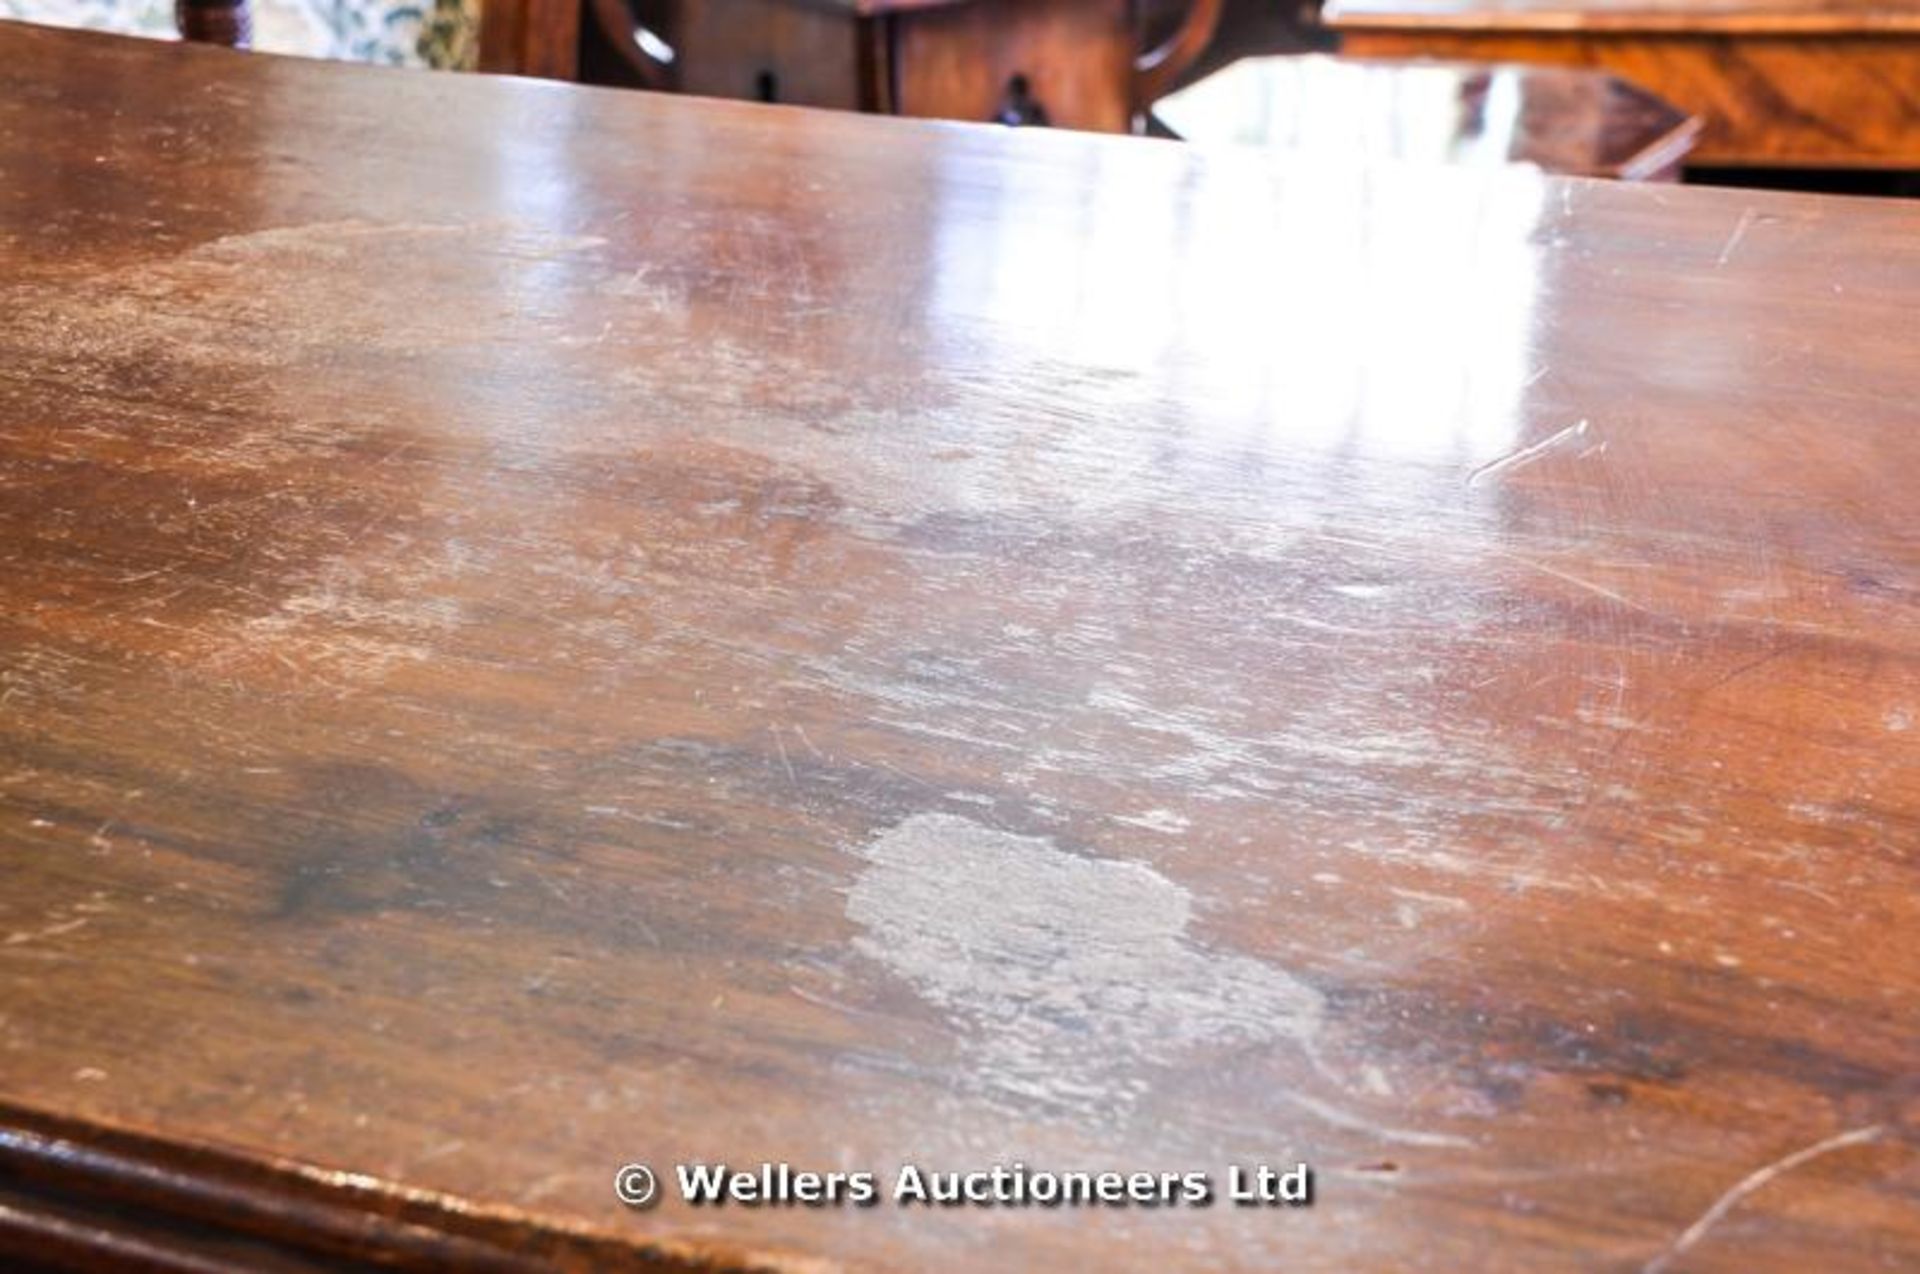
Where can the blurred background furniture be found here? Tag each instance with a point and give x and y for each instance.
(1562, 120)
(1778, 83)
(1088, 64)
(228, 22)
(531, 37)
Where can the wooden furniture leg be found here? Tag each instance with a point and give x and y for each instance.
(540, 38)
(227, 22)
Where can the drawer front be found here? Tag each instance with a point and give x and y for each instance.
(956, 62)
(769, 50)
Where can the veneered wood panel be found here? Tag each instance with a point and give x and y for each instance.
(956, 62)
(1850, 101)
(768, 50)
(539, 38)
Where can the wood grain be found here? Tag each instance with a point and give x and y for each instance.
(766, 50)
(538, 38)
(227, 22)
(956, 62)
(812, 638)
(1778, 83)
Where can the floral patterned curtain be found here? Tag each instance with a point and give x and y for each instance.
(438, 33)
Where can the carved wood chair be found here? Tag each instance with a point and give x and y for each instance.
(1127, 58)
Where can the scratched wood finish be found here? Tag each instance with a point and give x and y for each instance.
(1783, 83)
(1579, 123)
(846, 641)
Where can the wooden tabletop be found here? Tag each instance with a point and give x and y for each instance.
(549, 629)
(1784, 17)
(1561, 119)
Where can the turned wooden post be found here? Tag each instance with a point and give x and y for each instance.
(225, 22)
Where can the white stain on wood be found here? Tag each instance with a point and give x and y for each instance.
(1068, 972)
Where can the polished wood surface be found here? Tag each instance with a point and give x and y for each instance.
(1578, 123)
(1821, 83)
(593, 627)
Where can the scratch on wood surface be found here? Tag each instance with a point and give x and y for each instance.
(1752, 1182)
(825, 1002)
(785, 763)
(1742, 669)
(1598, 590)
(1527, 455)
(1740, 229)
(51, 931)
(1342, 1118)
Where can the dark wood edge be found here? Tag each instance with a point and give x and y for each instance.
(80, 1195)
(225, 22)
(1665, 154)
(879, 83)
(1156, 69)
(616, 22)
(539, 38)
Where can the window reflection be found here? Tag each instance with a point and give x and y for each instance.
(1377, 310)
